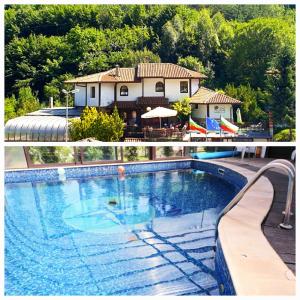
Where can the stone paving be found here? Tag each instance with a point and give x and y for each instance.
(283, 241)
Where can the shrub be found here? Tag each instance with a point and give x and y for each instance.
(285, 135)
(98, 125)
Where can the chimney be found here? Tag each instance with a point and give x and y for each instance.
(51, 102)
(117, 73)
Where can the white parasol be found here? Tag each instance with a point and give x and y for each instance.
(159, 112)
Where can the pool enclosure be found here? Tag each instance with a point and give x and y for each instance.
(44, 125)
(37, 129)
(31, 157)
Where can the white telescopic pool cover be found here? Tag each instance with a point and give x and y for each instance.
(36, 128)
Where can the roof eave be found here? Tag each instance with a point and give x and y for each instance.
(195, 101)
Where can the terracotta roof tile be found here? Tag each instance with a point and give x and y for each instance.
(125, 75)
(166, 70)
(88, 78)
(207, 96)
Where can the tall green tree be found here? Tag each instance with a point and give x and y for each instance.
(131, 153)
(54, 89)
(192, 63)
(255, 45)
(251, 112)
(244, 13)
(10, 111)
(281, 82)
(27, 101)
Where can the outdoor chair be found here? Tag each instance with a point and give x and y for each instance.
(293, 156)
(242, 139)
(258, 126)
(245, 150)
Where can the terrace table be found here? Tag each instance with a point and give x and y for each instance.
(163, 133)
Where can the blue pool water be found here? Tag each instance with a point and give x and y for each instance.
(147, 234)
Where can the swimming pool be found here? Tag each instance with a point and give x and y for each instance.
(149, 233)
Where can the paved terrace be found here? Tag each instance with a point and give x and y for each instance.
(283, 241)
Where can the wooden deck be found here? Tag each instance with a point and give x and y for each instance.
(283, 241)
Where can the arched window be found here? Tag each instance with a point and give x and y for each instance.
(159, 87)
(124, 90)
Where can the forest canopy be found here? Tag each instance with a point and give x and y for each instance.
(248, 51)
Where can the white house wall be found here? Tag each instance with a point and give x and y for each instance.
(172, 89)
(149, 87)
(80, 96)
(200, 112)
(134, 91)
(93, 101)
(195, 85)
(107, 93)
(217, 110)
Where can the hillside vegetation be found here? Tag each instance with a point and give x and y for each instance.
(248, 51)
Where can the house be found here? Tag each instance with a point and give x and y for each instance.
(208, 103)
(133, 90)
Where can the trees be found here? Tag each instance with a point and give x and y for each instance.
(55, 87)
(10, 111)
(281, 83)
(35, 60)
(98, 125)
(244, 13)
(251, 112)
(130, 58)
(231, 44)
(27, 101)
(285, 135)
(255, 45)
(183, 108)
(98, 153)
(168, 151)
(192, 63)
(45, 155)
(169, 38)
(131, 153)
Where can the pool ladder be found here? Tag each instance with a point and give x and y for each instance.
(282, 164)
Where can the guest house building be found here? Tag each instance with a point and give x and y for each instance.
(133, 91)
(149, 85)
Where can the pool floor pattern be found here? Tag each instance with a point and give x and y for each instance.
(140, 263)
(48, 251)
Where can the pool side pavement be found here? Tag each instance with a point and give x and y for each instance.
(255, 267)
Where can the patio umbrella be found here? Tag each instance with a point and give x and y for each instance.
(239, 116)
(159, 112)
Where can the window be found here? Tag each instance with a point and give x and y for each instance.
(159, 87)
(136, 153)
(184, 87)
(124, 90)
(92, 92)
(172, 151)
(48, 155)
(98, 154)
